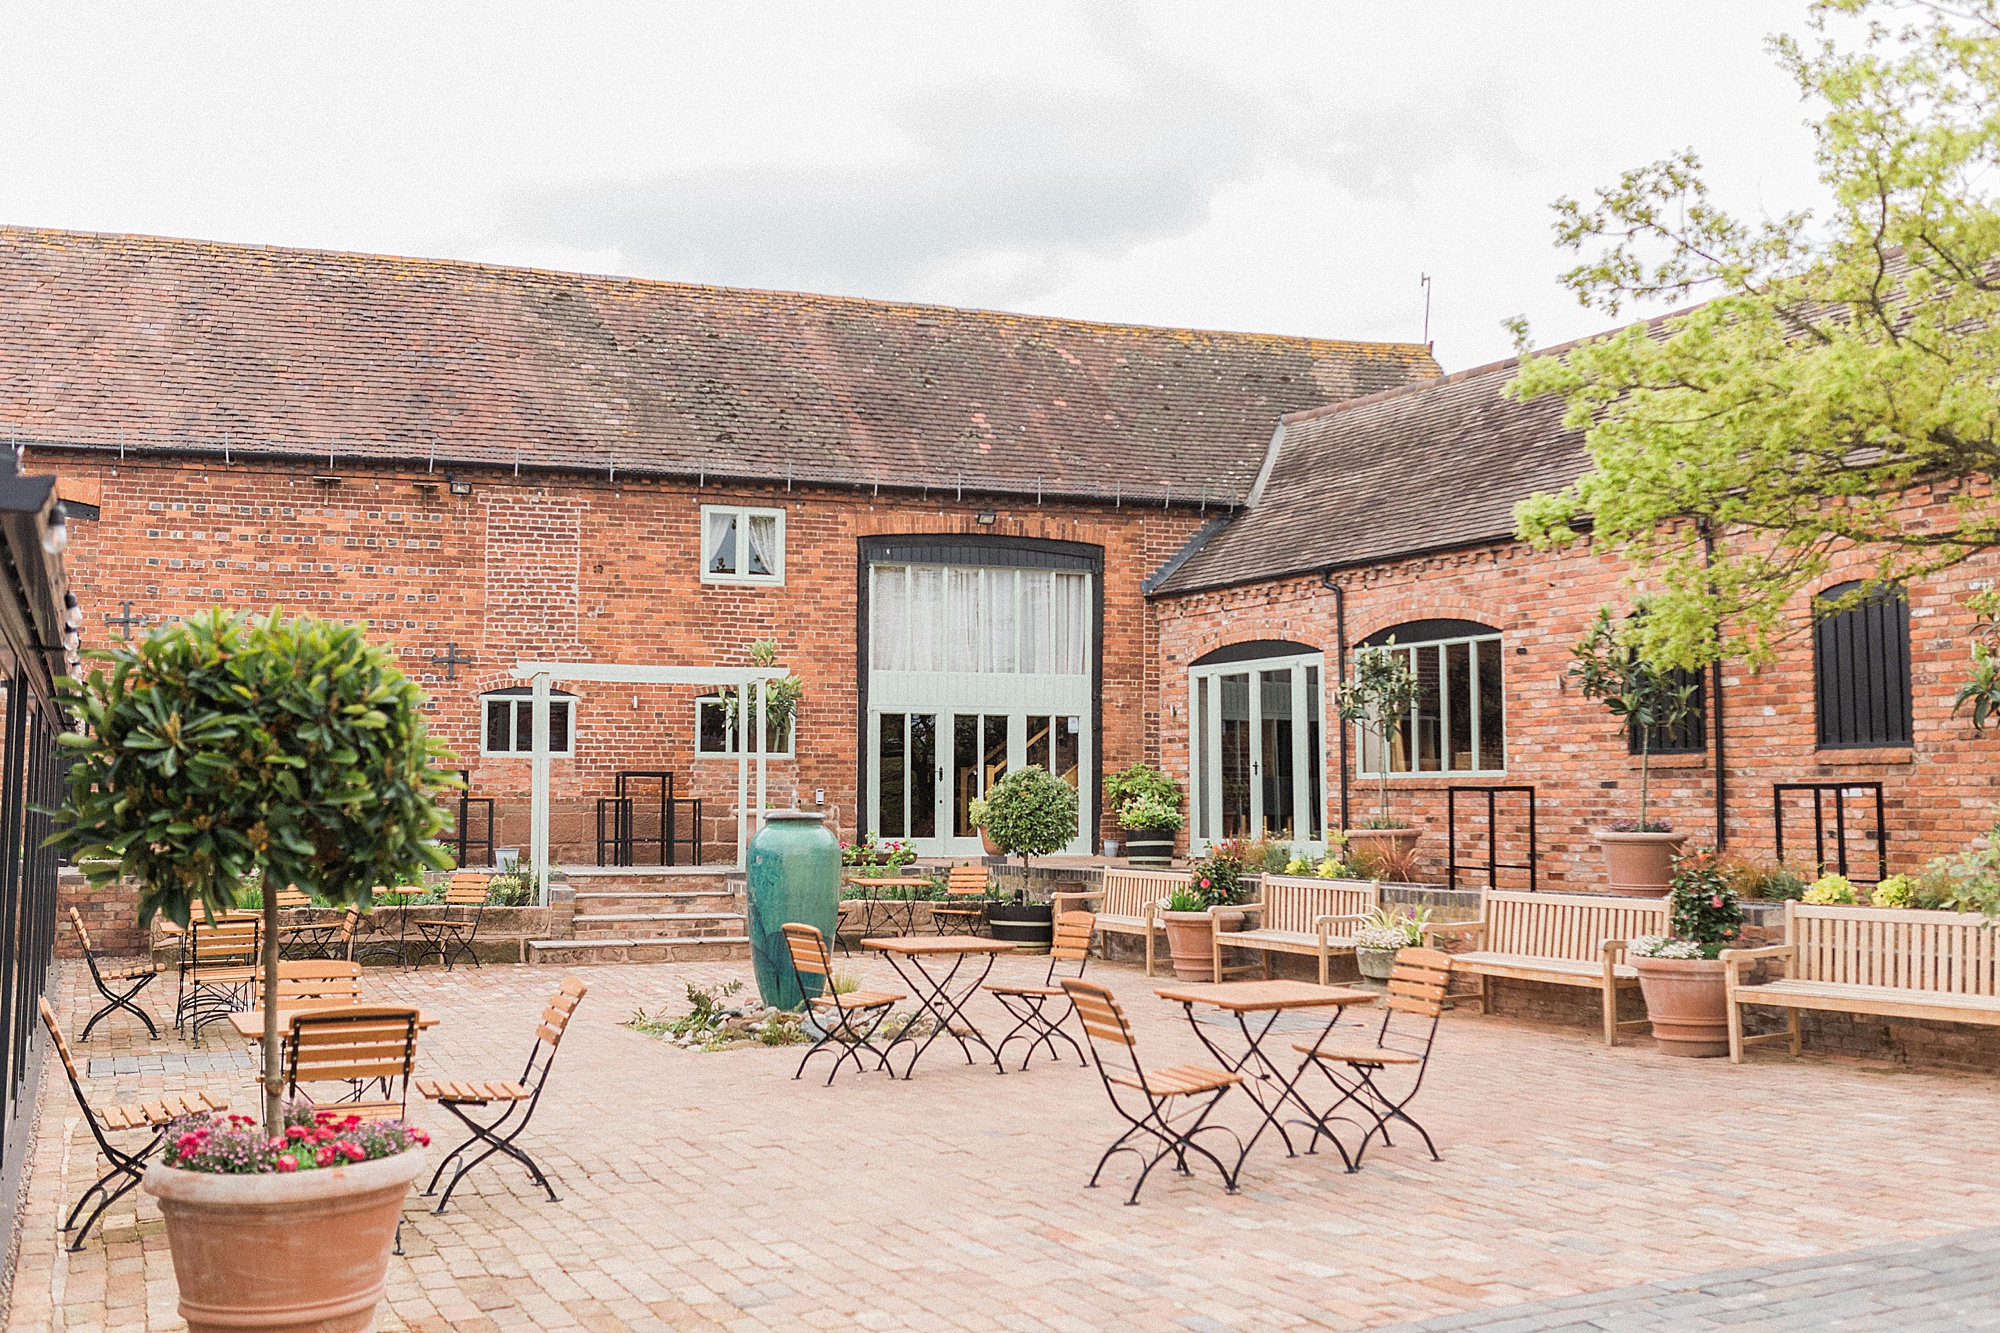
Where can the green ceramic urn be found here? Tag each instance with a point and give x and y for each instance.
(794, 875)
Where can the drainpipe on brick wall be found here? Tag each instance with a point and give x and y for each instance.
(1340, 674)
(1715, 709)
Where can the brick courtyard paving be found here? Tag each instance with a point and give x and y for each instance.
(711, 1191)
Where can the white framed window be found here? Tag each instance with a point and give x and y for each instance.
(1458, 724)
(507, 722)
(715, 738)
(741, 545)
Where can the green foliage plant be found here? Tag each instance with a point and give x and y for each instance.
(1703, 909)
(1831, 891)
(1833, 365)
(1895, 891)
(1030, 812)
(781, 700)
(1382, 691)
(220, 747)
(1214, 882)
(1135, 784)
(1644, 697)
(1150, 811)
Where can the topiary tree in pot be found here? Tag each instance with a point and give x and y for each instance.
(1383, 691)
(215, 755)
(1030, 812)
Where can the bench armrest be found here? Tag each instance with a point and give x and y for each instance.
(1733, 960)
(1060, 901)
(1321, 923)
(1255, 909)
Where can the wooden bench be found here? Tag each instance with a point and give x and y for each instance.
(1129, 902)
(1298, 915)
(1871, 960)
(1565, 939)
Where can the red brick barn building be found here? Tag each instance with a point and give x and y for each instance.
(942, 519)
(1391, 516)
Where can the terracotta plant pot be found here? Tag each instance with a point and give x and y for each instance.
(1391, 843)
(986, 841)
(1687, 1003)
(1191, 942)
(301, 1253)
(1640, 865)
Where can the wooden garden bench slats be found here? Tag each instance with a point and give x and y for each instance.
(1565, 939)
(1892, 962)
(962, 882)
(1129, 903)
(1299, 915)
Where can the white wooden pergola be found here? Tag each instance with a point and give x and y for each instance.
(749, 682)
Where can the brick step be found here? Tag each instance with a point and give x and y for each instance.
(651, 879)
(688, 900)
(572, 953)
(675, 925)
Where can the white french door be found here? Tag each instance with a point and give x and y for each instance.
(974, 673)
(1256, 751)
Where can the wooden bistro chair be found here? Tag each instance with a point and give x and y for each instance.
(451, 936)
(324, 939)
(316, 983)
(128, 979)
(1403, 1042)
(1040, 1011)
(358, 1045)
(845, 1022)
(218, 968)
(292, 898)
(512, 1096)
(1164, 1109)
(127, 1167)
(962, 917)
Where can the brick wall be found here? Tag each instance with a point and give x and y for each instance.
(1939, 793)
(110, 914)
(582, 570)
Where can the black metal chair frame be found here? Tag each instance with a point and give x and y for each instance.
(497, 1134)
(1030, 1018)
(852, 1029)
(302, 943)
(204, 1002)
(118, 999)
(449, 939)
(1360, 1090)
(1157, 1120)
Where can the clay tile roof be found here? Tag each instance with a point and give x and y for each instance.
(186, 344)
(1434, 466)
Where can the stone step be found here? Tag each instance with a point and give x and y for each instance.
(596, 903)
(676, 925)
(574, 953)
(652, 879)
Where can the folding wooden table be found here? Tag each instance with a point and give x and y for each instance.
(942, 996)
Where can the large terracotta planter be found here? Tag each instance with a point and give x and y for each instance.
(302, 1253)
(1687, 1004)
(1191, 943)
(1640, 865)
(986, 841)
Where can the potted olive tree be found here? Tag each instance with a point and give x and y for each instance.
(214, 754)
(1638, 854)
(1381, 694)
(1147, 805)
(1682, 976)
(1030, 812)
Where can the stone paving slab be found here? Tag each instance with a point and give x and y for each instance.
(712, 1191)
(1944, 1283)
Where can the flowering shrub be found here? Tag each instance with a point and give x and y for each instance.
(1830, 891)
(890, 855)
(1216, 882)
(314, 1137)
(1393, 928)
(1704, 910)
(1659, 946)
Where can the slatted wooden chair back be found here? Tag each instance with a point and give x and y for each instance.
(556, 1015)
(50, 1022)
(1954, 953)
(1294, 903)
(230, 942)
(82, 935)
(291, 897)
(1416, 989)
(1573, 926)
(808, 948)
(1103, 1018)
(1133, 892)
(349, 923)
(467, 891)
(354, 1044)
(317, 982)
(966, 882)
(1071, 941)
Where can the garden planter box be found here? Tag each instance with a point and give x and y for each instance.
(1030, 927)
(1149, 847)
(303, 1253)
(1640, 865)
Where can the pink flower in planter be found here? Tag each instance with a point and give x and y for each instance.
(287, 1162)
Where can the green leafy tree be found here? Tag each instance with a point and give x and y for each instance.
(1646, 698)
(222, 752)
(1381, 694)
(1840, 365)
(1030, 812)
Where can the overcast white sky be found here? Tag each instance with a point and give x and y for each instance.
(1282, 168)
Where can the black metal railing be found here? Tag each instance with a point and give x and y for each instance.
(1493, 864)
(658, 822)
(1840, 792)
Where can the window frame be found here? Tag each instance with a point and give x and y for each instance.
(716, 701)
(521, 699)
(1449, 774)
(1825, 656)
(1661, 742)
(742, 514)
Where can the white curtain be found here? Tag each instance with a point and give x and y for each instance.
(721, 543)
(1072, 617)
(888, 630)
(1001, 618)
(927, 624)
(962, 623)
(1037, 655)
(762, 556)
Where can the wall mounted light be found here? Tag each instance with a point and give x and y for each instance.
(987, 518)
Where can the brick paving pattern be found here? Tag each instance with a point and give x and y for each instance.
(711, 1191)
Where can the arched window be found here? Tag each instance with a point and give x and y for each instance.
(1459, 722)
(1861, 668)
